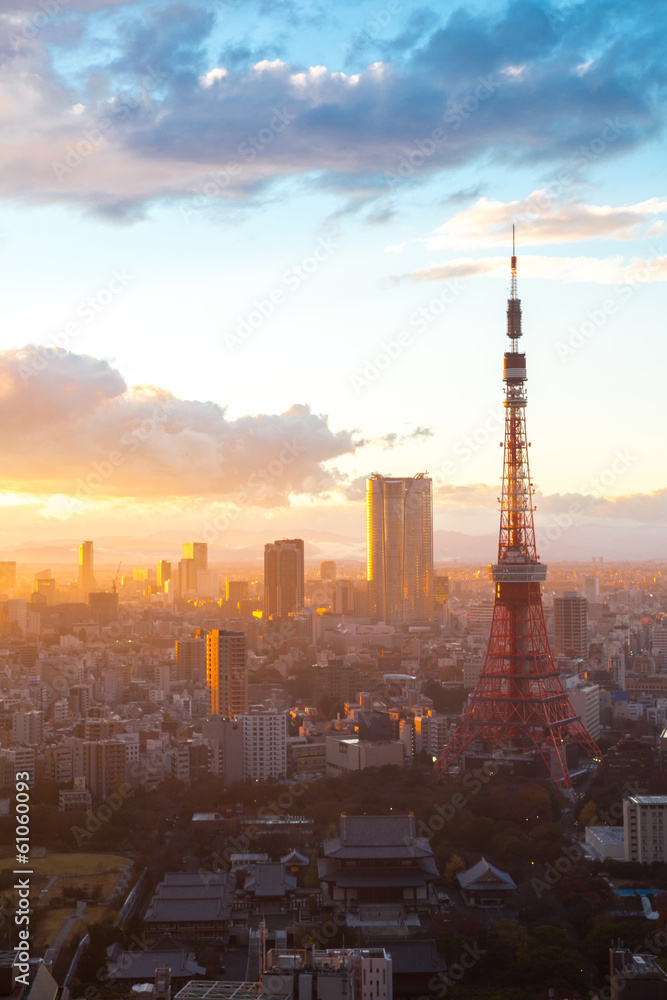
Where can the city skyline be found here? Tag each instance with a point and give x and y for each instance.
(439, 135)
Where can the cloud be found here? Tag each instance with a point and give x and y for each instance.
(72, 426)
(506, 85)
(601, 271)
(632, 508)
(545, 217)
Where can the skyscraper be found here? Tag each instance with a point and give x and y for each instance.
(399, 536)
(195, 558)
(283, 577)
(86, 576)
(571, 625)
(163, 573)
(227, 673)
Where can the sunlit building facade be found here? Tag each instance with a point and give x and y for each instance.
(399, 539)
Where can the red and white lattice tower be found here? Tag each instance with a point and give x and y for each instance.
(519, 702)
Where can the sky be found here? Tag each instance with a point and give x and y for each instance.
(253, 251)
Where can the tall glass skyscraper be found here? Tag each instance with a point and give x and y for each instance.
(399, 537)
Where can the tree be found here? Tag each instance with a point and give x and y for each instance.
(453, 868)
(589, 814)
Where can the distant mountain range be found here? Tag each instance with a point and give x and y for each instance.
(240, 548)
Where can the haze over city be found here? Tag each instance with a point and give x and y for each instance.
(223, 215)
(333, 518)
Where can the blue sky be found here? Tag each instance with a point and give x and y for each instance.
(232, 226)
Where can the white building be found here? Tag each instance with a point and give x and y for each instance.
(264, 746)
(28, 728)
(356, 755)
(606, 842)
(585, 700)
(645, 828)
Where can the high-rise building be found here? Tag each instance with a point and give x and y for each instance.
(645, 826)
(236, 591)
(328, 569)
(283, 577)
(105, 766)
(198, 552)
(227, 672)
(264, 746)
(571, 625)
(86, 573)
(591, 589)
(399, 536)
(28, 728)
(190, 658)
(163, 573)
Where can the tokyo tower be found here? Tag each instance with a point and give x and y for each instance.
(519, 703)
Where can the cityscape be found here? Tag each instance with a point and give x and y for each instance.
(333, 548)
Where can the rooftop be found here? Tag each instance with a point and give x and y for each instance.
(205, 989)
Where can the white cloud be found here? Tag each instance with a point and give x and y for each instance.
(544, 217)
(210, 78)
(601, 271)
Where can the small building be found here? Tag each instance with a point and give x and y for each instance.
(635, 977)
(606, 842)
(486, 885)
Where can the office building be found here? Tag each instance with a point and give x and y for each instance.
(264, 746)
(190, 658)
(571, 626)
(635, 976)
(86, 574)
(227, 672)
(13, 760)
(163, 573)
(236, 591)
(225, 741)
(195, 558)
(399, 548)
(585, 700)
(591, 589)
(283, 577)
(328, 569)
(645, 828)
(104, 762)
(28, 728)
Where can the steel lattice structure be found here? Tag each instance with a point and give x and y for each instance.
(519, 702)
